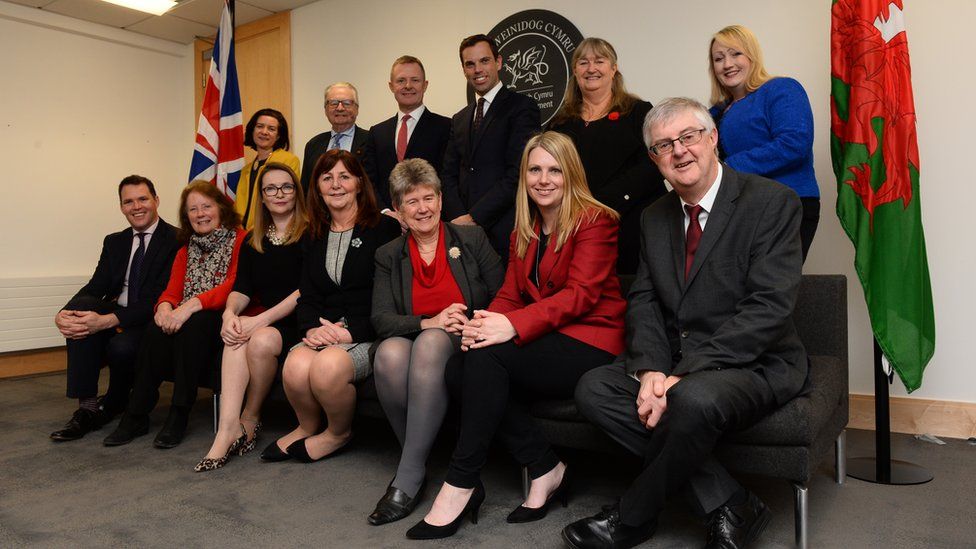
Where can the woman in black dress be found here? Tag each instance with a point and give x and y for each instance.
(605, 123)
(254, 337)
(321, 372)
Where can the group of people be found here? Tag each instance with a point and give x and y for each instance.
(476, 259)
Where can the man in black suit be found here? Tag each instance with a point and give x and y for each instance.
(103, 323)
(341, 108)
(413, 132)
(481, 164)
(711, 346)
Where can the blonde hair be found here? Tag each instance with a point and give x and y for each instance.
(262, 219)
(743, 40)
(577, 201)
(621, 100)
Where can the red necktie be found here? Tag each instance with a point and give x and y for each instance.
(479, 114)
(402, 139)
(693, 237)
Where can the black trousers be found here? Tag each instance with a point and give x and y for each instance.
(185, 354)
(677, 453)
(497, 384)
(111, 348)
(808, 225)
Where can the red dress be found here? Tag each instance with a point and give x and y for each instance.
(434, 287)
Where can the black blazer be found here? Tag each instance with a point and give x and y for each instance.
(321, 297)
(318, 145)
(107, 280)
(428, 141)
(478, 271)
(481, 169)
(735, 310)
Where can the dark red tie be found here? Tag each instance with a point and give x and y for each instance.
(402, 139)
(693, 237)
(479, 113)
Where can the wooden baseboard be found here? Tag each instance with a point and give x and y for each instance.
(25, 363)
(942, 418)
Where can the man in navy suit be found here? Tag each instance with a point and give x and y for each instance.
(103, 323)
(413, 132)
(481, 164)
(711, 345)
(341, 108)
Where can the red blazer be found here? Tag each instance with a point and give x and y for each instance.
(579, 293)
(213, 299)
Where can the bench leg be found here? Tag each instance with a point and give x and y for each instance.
(840, 457)
(525, 483)
(800, 513)
(216, 411)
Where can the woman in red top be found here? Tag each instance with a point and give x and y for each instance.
(426, 281)
(185, 335)
(558, 314)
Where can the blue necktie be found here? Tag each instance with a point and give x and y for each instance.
(336, 140)
(135, 269)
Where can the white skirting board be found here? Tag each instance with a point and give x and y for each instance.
(27, 309)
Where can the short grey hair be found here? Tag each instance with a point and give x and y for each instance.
(671, 107)
(410, 174)
(355, 92)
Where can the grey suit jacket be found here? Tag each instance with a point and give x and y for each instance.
(735, 310)
(478, 272)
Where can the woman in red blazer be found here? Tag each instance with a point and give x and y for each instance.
(558, 314)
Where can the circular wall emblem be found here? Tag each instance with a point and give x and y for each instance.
(536, 48)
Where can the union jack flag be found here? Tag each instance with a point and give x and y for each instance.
(218, 155)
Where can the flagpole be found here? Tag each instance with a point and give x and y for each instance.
(881, 469)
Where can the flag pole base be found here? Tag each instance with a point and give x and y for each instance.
(899, 473)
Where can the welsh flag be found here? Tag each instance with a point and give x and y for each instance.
(875, 157)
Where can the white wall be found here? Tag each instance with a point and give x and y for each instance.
(663, 48)
(82, 106)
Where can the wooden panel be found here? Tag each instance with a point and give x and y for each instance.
(263, 53)
(32, 362)
(918, 416)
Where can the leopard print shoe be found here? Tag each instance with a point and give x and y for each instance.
(210, 464)
(248, 445)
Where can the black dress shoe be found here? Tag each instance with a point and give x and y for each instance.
(273, 453)
(736, 526)
(423, 530)
(529, 514)
(130, 427)
(394, 505)
(605, 531)
(81, 423)
(171, 435)
(299, 451)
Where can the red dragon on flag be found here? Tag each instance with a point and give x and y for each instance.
(876, 161)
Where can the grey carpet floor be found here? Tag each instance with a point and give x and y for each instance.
(82, 494)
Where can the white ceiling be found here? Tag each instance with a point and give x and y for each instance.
(190, 19)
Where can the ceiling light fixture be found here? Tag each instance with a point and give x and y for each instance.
(155, 7)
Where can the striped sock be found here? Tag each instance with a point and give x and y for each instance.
(90, 404)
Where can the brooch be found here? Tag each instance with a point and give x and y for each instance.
(356, 242)
(614, 116)
(454, 252)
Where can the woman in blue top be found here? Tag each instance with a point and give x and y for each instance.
(765, 125)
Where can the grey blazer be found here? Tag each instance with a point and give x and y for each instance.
(478, 272)
(735, 310)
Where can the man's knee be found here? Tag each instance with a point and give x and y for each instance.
(597, 388)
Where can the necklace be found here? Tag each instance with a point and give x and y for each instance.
(272, 234)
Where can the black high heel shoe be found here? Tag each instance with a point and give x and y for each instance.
(528, 514)
(423, 530)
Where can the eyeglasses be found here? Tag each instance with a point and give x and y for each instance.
(285, 189)
(336, 102)
(687, 139)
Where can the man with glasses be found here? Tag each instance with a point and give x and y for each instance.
(103, 323)
(341, 108)
(711, 347)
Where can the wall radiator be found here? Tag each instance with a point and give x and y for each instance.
(27, 309)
